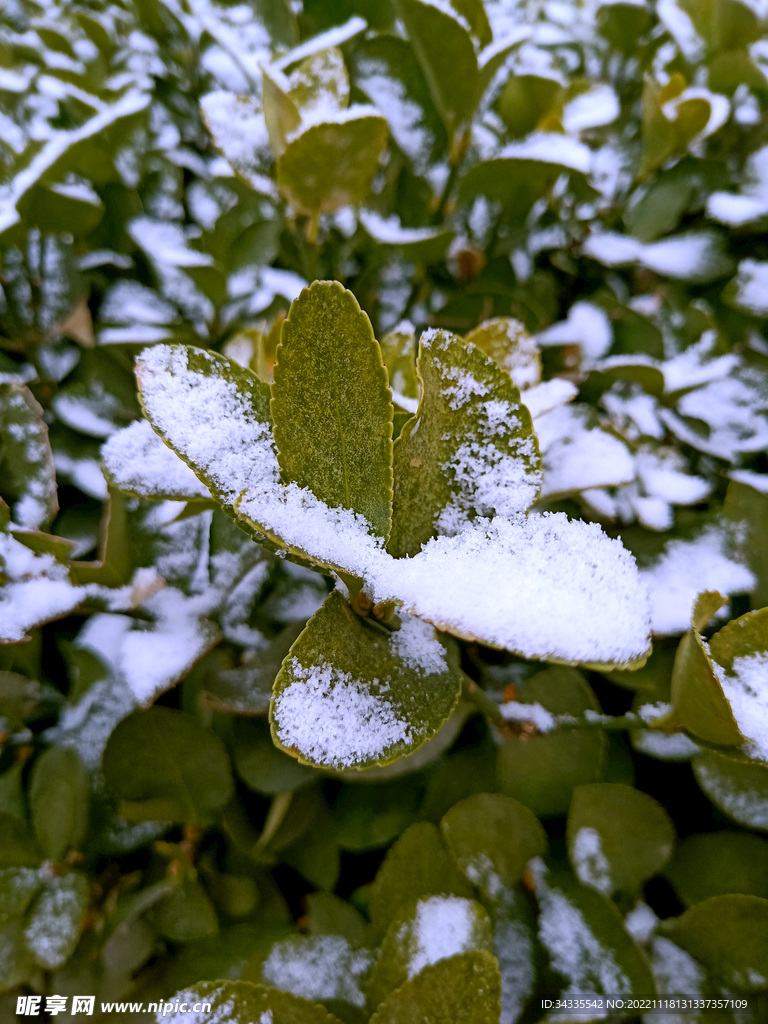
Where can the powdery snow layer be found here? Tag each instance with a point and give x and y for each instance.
(37, 589)
(318, 967)
(589, 862)
(138, 460)
(746, 688)
(443, 926)
(515, 711)
(684, 570)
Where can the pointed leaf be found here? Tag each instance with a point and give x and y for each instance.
(451, 68)
(240, 1002)
(508, 343)
(331, 164)
(492, 837)
(432, 929)
(416, 866)
(59, 794)
(281, 113)
(729, 936)
(464, 988)
(26, 460)
(137, 461)
(331, 405)
(349, 695)
(469, 451)
(618, 837)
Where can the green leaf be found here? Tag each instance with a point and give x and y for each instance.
(237, 127)
(492, 837)
(329, 915)
(321, 81)
(164, 766)
(416, 866)
(659, 135)
(26, 460)
(260, 764)
(716, 863)
(370, 817)
(747, 509)
(423, 933)
(450, 69)
(17, 845)
(507, 342)
(618, 837)
(316, 856)
(53, 925)
(331, 406)
(723, 24)
(462, 988)
(98, 397)
(398, 350)
(240, 1002)
(331, 164)
(281, 112)
(185, 914)
(469, 451)
(736, 786)
(542, 771)
(729, 936)
(350, 694)
(529, 100)
(59, 795)
(698, 701)
(584, 934)
(18, 887)
(16, 963)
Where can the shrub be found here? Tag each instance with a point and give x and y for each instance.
(383, 507)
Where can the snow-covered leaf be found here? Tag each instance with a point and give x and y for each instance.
(138, 462)
(26, 460)
(53, 924)
(508, 343)
(349, 695)
(736, 786)
(241, 1002)
(740, 660)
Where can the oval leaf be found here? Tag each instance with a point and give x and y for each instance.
(716, 863)
(738, 787)
(331, 405)
(240, 1002)
(507, 342)
(59, 795)
(349, 695)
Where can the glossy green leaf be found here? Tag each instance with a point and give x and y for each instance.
(659, 136)
(528, 100)
(54, 922)
(463, 988)
(747, 508)
(59, 795)
(542, 771)
(244, 1003)
(423, 933)
(729, 936)
(350, 694)
(416, 866)
(260, 764)
(716, 863)
(185, 914)
(331, 164)
(469, 451)
(618, 837)
(331, 407)
(492, 837)
(164, 766)
(698, 701)
(736, 786)
(740, 638)
(26, 460)
(508, 343)
(370, 817)
(584, 935)
(450, 69)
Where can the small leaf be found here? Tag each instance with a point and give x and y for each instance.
(99, 397)
(167, 767)
(53, 925)
(260, 764)
(716, 863)
(349, 695)
(618, 837)
(659, 136)
(492, 837)
(543, 771)
(464, 988)
(729, 936)
(331, 405)
(736, 786)
(451, 68)
(240, 1002)
(26, 460)
(508, 343)
(316, 856)
(331, 164)
(185, 914)
(59, 794)
(426, 932)
(469, 451)
(416, 866)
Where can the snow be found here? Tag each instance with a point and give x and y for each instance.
(589, 862)
(735, 796)
(696, 365)
(576, 458)
(591, 109)
(389, 230)
(324, 115)
(550, 148)
(333, 37)
(54, 922)
(237, 124)
(513, 948)
(443, 926)
(128, 302)
(746, 689)
(138, 461)
(675, 972)
(331, 718)
(545, 397)
(37, 589)
(166, 242)
(515, 711)
(757, 480)
(318, 967)
(684, 570)
(641, 923)
(752, 287)
(660, 473)
(751, 204)
(664, 746)
(416, 644)
(689, 256)
(588, 326)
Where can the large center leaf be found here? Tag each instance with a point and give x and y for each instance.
(331, 405)
(351, 696)
(470, 450)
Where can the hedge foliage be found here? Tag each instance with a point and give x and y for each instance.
(383, 506)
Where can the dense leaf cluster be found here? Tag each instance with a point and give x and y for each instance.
(348, 352)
